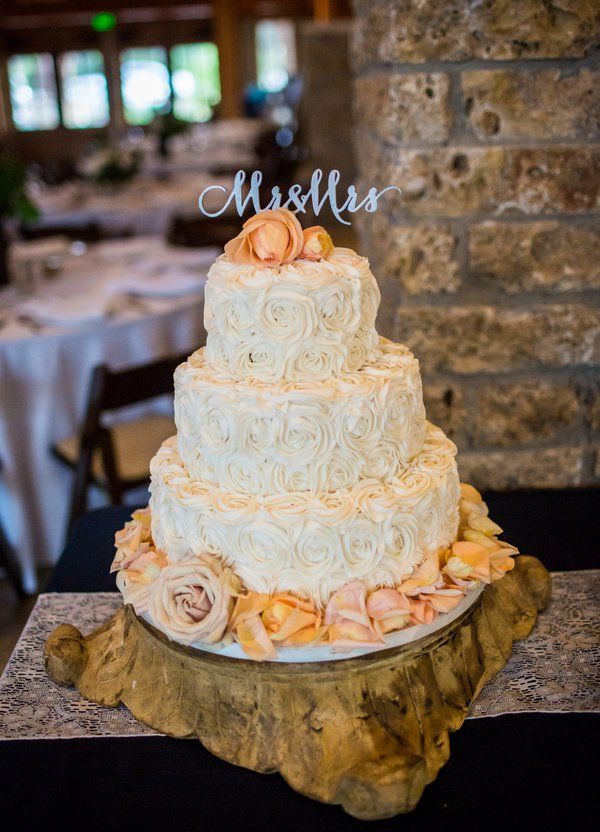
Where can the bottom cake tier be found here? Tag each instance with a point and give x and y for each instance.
(311, 544)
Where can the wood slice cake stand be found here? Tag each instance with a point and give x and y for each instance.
(368, 733)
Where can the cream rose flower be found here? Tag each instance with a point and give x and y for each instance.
(242, 474)
(217, 352)
(287, 314)
(333, 509)
(270, 238)
(233, 318)
(382, 462)
(281, 477)
(361, 547)
(192, 601)
(369, 301)
(338, 306)
(374, 499)
(316, 361)
(195, 494)
(413, 485)
(432, 524)
(360, 427)
(262, 546)
(206, 535)
(399, 411)
(401, 532)
(302, 434)
(186, 413)
(315, 549)
(359, 351)
(338, 471)
(215, 427)
(173, 521)
(232, 508)
(259, 359)
(253, 432)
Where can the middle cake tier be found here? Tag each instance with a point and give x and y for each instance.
(263, 438)
(308, 543)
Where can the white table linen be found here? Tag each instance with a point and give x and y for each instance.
(45, 373)
(144, 205)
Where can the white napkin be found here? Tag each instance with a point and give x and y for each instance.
(168, 283)
(61, 312)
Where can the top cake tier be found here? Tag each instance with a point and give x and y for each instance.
(302, 321)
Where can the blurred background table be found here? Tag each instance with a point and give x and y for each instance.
(120, 303)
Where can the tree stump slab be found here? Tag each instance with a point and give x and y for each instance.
(368, 733)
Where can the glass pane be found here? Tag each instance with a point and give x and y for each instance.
(196, 82)
(144, 83)
(275, 54)
(84, 89)
(33, 95)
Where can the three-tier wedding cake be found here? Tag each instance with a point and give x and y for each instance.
(305, 498)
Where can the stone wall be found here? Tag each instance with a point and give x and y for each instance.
(487, 114)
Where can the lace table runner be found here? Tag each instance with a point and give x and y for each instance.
(557, 669)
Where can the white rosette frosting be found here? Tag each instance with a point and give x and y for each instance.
(310, 435)
(303, 459)
(303, 320)
(311, 542)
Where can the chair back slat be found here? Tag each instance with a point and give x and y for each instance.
(138, 384)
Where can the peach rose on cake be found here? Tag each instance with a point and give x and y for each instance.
(135, 581)
(316, 244)
(271, 238)
(389, 610)
(348, 620)
(191, 601)
(129, 539)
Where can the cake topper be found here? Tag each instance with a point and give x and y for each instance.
(295, 199)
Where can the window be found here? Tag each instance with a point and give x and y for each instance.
(195, 80)
(84, 92)
(275, 54)
(33, 95)
(145, 85)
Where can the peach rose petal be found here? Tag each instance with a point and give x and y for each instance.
(305, 636)
(475, 556)
(421, 611)
(317, 243)
(254, 639)
(143, 516)
(348, 635)
(270, 238)
(468, 492)
(389, 609)
(425, 576)
(444, 600)
(501, 562)
(247, 606)
(285, 616)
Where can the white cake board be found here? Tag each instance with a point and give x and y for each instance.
(325, 653)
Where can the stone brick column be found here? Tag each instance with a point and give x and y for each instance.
(487, 114)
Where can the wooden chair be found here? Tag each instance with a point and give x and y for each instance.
(116, 459)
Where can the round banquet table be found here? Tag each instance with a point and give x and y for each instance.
(534, 771)
(44, 380)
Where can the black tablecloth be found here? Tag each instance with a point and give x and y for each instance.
(536, 772)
